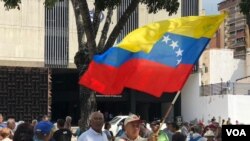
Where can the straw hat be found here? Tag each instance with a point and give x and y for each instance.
(209, 133)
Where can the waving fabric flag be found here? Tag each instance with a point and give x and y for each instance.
(155, 58)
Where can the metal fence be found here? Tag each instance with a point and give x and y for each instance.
(225, 88)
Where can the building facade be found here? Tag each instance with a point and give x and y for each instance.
(234, 33)
(191, 7)
(46, 40)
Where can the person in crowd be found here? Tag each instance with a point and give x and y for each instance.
(218, 133)
(43, 131)
(223, 122)
(195, 134)
(236, 122)
(213, 120)
(0, 134)
(62, 134)
(209, 135)
(168, 131)
(132, 129)
(2, 124)
(229, 121)
(177, 136)
(67, 123)
(94, 133)
(5, 134)
(34, 123)
(11, 124)
(121, 131)
(78, 131)
(45, 118)
(24, 132)
(109, 133)
(185, 128)
(144, 131)
(161, 136)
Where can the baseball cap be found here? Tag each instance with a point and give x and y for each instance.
(44, 127)
(132, 118)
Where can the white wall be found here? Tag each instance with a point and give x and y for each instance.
(22, 32)
(248, 62)
(220, 106)
(193, 106)
(221, 65)
(145, 18)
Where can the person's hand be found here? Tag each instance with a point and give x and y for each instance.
(153, 137)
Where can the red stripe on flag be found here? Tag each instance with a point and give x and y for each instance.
(142, 75)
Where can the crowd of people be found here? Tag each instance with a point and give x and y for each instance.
(133, 129)
(43, 130)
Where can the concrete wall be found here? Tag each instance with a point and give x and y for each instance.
(248, 62)
(224, 66)
(221, 107)
(221, 66)
(145, 18)
(239, 108)
(22, 33)
(73, 43)
(193, 106)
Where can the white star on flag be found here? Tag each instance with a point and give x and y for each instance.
(178, 61)
(174, 44)
(179, 52)
(166, 39)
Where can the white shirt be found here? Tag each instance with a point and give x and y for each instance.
(6, 139)
(124, 137)
(91, 135)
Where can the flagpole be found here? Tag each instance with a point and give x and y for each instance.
(168, 111)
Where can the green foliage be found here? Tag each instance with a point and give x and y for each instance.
(104, 4)
(50, 3)
(12, 4)
(245, 7)
(154, 6)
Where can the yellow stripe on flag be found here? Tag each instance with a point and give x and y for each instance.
(143, 38)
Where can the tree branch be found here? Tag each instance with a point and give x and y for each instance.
(79, 24)
(105, 29)
(122, 21)
(87, 25)
(96, 20)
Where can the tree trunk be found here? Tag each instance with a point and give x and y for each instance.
(82, 59)
(122, 21)
(87, 25)
(88, 105)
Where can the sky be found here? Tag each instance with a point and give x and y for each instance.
(210, 6)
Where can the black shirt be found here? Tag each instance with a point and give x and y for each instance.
(62, 135)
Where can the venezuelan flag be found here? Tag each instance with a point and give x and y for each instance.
(155, 58)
